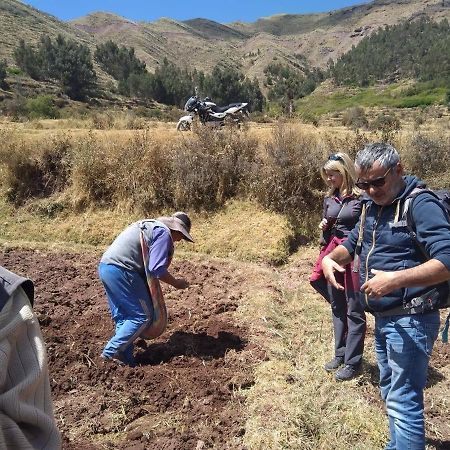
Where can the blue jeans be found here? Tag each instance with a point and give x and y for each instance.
(403, 346)
(131, 309)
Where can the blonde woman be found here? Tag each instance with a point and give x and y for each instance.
(341, 211)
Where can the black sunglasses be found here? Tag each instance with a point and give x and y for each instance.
(335, 158)
(378, 182)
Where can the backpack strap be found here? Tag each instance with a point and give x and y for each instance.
(408, 216)
(444, 334)
(359, 242)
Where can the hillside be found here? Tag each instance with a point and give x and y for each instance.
(285, 38)
(20, 21)
(201, 43)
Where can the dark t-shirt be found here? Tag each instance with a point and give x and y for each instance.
(342, 215)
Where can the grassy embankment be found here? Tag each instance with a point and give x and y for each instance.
(293, 402)
(329, 99)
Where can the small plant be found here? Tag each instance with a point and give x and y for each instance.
(14, 71)
(103, 121)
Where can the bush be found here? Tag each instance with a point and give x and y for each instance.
(103, 121)
(93, 173)
(355, 118)
(387, 124)
(16, 107)
(34, 174)
(42, 107)
(3, 73)
(14, 71)
(142, 173)
(211, 167)
(286, 176)
(428, 157)
(309, 117)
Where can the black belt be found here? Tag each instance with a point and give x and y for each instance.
(400, 311)
(424, 304)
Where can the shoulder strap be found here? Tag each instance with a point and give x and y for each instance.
(408, 215)
(360, 238)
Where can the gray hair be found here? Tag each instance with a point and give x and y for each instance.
(386, 155)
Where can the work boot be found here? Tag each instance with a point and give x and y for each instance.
(119, 359)
(335, 363)
(347, 372)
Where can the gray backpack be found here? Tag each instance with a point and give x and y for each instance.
(439, 299)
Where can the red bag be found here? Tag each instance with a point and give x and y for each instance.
(349, 279)
(317, 272)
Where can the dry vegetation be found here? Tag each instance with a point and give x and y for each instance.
(254, 196)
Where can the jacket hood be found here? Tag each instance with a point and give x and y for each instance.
(411, 182)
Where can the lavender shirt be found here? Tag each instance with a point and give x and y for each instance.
(161, 252)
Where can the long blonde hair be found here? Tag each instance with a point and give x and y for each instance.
(341, 162)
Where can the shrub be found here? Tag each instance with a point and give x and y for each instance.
(92, 175)
(14, 70)
(355, 118)
(286, 176)
(34, 174)
(103, 121)
(3, 73)
(309, 117)
(16, 107)
(42, 107)
(428, 157)
(143, 176)
(211, 167)
(387, 124)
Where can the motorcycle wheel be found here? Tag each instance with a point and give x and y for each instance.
(183, 126)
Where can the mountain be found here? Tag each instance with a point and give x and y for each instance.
(287, 38)
(20, 21)
(293, 39)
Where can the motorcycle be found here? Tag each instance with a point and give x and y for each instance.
(211, 114)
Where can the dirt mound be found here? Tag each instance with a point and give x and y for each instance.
(188, 390)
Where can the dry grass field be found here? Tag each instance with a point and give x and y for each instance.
(263, 386)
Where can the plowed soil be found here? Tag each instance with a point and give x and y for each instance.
(187, 392)
(189, 388)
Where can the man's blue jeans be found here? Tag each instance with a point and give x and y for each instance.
(403, 346)
(131, 309)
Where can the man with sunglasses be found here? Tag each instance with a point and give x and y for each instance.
(394, 277)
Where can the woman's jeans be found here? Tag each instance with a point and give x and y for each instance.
(403, 346)
(131, 309)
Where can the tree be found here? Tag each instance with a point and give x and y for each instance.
(64, 60)
(418, 49)
(287, 84)
(73, 68)
(3, 73)
(119, 62)
(28, 60)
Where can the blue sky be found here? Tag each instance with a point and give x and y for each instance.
(223, 11)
